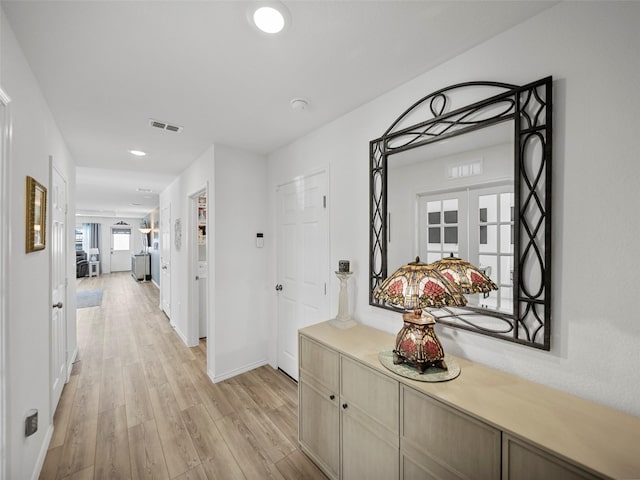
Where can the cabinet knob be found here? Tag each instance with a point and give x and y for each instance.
(344, 405)
(332, 396)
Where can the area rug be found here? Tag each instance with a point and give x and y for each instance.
(89, 298)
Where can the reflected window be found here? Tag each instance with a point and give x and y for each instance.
(477, 225)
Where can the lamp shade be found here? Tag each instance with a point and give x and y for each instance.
(93, 254)
(469, 278)
(417, 285)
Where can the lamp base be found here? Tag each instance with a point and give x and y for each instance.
(420, 366)
(417, 344)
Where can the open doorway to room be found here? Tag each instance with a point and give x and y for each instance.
(199, 262)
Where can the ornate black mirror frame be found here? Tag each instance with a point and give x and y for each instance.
(530, 109)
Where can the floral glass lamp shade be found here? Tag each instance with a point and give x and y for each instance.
(413, 288)
(468, 277)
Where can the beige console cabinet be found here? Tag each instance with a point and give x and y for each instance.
(358, 420)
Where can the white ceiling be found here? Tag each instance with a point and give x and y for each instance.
(107, 67)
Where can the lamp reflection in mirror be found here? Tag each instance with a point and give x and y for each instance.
(417, 286)
(469, 278)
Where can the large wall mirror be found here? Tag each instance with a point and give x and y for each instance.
(466, 171)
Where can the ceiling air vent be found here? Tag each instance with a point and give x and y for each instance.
(165, 126)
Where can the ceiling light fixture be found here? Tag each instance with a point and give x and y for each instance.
(269, 17)
(138, 153)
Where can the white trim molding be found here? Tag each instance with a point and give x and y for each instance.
(237, 371)
(5, 227)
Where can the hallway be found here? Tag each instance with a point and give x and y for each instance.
(140, 405)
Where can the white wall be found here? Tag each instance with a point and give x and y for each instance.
(590, 48)
(197, 176)
(105, 236)
(241, 282)
(35, 137)
(237, 278)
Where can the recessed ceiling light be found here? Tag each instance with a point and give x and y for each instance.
(144, 190)
(269, 16)
(137, 153)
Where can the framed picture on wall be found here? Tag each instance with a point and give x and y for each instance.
(36, 216)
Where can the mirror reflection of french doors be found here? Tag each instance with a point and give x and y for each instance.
(475, 224)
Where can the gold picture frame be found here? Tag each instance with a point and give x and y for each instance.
(36, 216)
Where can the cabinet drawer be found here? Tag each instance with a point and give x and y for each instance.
(320, 363)
(371, 393)
(522, 461)
(446, 442)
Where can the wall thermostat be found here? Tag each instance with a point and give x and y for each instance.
(259, 240)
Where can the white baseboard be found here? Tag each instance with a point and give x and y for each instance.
(180, 335)
(72, 360)
(237, 371)
(43, 453)
(157, 286)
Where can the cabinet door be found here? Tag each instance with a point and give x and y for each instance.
(445, 443)
(319, 426)
(522, 461)
(370, 405)
(368, 451)
(371, 392)
(319, 363)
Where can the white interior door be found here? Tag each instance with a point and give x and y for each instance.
(121, 248)
(165, 260)
(303, 263)
(58, 202)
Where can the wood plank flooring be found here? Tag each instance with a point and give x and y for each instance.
(140, 405)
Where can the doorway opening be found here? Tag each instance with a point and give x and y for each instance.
(199, 263)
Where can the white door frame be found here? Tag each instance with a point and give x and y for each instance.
(5, 227)
(193, 337)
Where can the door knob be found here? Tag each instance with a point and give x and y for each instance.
(57, 305)
(278, 288)
(197, 277)
(344, 406)
(332, 396)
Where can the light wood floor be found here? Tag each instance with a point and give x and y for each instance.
(140, 405)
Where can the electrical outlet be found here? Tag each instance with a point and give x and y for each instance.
(31, 423)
